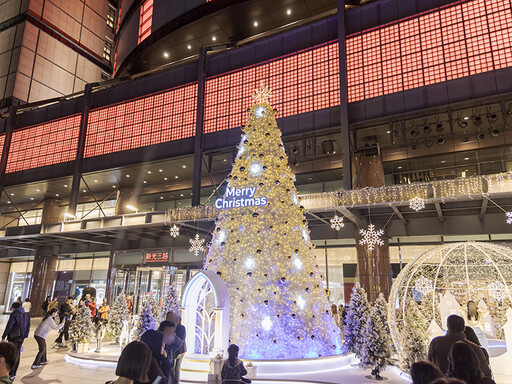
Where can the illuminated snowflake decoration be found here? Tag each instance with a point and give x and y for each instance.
(509, 217)
(371, 237)
(337, 222)
(417, 203)
(174, 231)
(423, 285)
(196, 245)
(262, 95)
(498, 291)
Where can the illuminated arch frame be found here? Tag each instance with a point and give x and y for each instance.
(221, 307)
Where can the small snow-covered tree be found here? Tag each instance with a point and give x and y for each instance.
(354, 330)
(377, 342)
(147, 320)
(170, 303)
(81, 329)
(415, 338)
(118, 313)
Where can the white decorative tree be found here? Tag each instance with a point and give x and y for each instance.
(262, 250)
(118, 313)
(81, 329)
(377, 341)
(170, 303)
(355, 321)
(147, 320)
(415, 338)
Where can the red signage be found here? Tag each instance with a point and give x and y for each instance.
(157, 256)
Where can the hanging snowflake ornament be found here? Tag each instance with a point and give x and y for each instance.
(498, 291)
(417, 203)
(371, 238)
(423, 285)
(337, 222)
(174, 231)
(196, 245)
(509, 217)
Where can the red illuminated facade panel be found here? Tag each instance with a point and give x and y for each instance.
(462, 40)
(2, 139)
(154, 119)
(146, 19)
(44, 144)
(302, 82)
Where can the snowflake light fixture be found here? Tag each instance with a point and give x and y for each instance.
(174, 231)
(498, 291)
(417, 203)
(509, 217)
(371, 237)
(196, 245)
(337, 222)
(262, 95)
(423, 285)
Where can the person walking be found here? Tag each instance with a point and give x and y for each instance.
(463, 365)
(54, 304)
(92, 307)
(440, 346)
(181, 333)
(65, 313)
(27, 305)
(45, 304)
(8, 359)
(233, 368)
(104, 311)
(133, 364)
(40, 334)
(16, 331)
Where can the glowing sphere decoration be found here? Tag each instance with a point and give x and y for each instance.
(472, 271)
(278, 309)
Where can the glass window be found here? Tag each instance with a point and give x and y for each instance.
(107, 49)
(111, 16)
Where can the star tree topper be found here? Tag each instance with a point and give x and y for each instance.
(262, 95)
(371, 238)
(196, 245)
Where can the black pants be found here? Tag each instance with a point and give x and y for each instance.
(41, 355)
(18, 343)
(64, 333)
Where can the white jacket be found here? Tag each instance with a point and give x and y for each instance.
(45, 326)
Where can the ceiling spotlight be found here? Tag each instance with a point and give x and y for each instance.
(466, 118)
(65, 186)
(492, 117)
(183, 166)
(428, 143)
(165, 178)
(443, 161)
(462, 123)
(189, 46)
(440, 140)
(295, 150)
(149, 172)
(145, 182)
(439, 127)
(166, 55)
(127, 175)
(161, 197)
(465, 138)
(95, 181)
(214, 38)
(288, 11)
(480, 136)
(495, 132)
(477, 120)
(113, 186)
(12, 194)
(414, 132)
(57, 195)
(426, 129)
(175, 177)
(255, 23)
(327, 147)
(31, 198)
(414, 146)
(83, 190)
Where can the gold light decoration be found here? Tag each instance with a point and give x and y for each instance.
(371, 237)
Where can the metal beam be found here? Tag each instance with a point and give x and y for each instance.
(346, 154)
(319, 218)
(483, 209)
(352, 216)
(439, 211)
(198, 139)
(398, 213)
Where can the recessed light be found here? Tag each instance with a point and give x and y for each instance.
(95, 181)
(84, 190)
(57, 194)
(175, 177)
(166, 55)
(31, 198)
(184, 166)
(181, 194)
(8, 202)
(388, 132)
(12, 194)
(288, 11)
(466, 158)
(149, 172)
(65, 186)
(127, 175)
(400, 167)
(443, 161)
(310, 178)
(160, 170)
(214, 38)
(145, 182)
(225, 159)
(161, 197)
(189, 46)
(37, 190)
(466, 118)
(255, 23)
(165, 178)
(113, 186)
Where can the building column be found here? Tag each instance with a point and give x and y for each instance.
(374, 267)
(111, 279)
(44, 268)
(126, 198)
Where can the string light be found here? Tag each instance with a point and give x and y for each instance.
(417, 203)
(174, 231)
(337, 222)
(371, 238)
(196, 245)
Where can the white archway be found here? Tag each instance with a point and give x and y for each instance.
(206, 314)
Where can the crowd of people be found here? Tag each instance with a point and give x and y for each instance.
(455, 358)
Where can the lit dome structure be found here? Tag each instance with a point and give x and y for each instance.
(445, 279)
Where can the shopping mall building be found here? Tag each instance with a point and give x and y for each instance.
(121, 120)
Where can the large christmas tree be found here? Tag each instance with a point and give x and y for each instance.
(262, 250)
